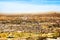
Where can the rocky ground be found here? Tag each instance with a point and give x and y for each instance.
(44, 24)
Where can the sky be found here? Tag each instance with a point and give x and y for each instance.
(23, 6)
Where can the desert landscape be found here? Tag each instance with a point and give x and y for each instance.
(29, 19)
(30, 26)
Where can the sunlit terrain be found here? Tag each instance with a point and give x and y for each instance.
(30, 26)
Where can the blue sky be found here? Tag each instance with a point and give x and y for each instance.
(29, 5)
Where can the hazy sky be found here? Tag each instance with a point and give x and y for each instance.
(29, 5)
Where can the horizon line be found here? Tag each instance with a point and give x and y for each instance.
(16, 13)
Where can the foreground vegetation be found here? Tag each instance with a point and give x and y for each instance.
(30, 26)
